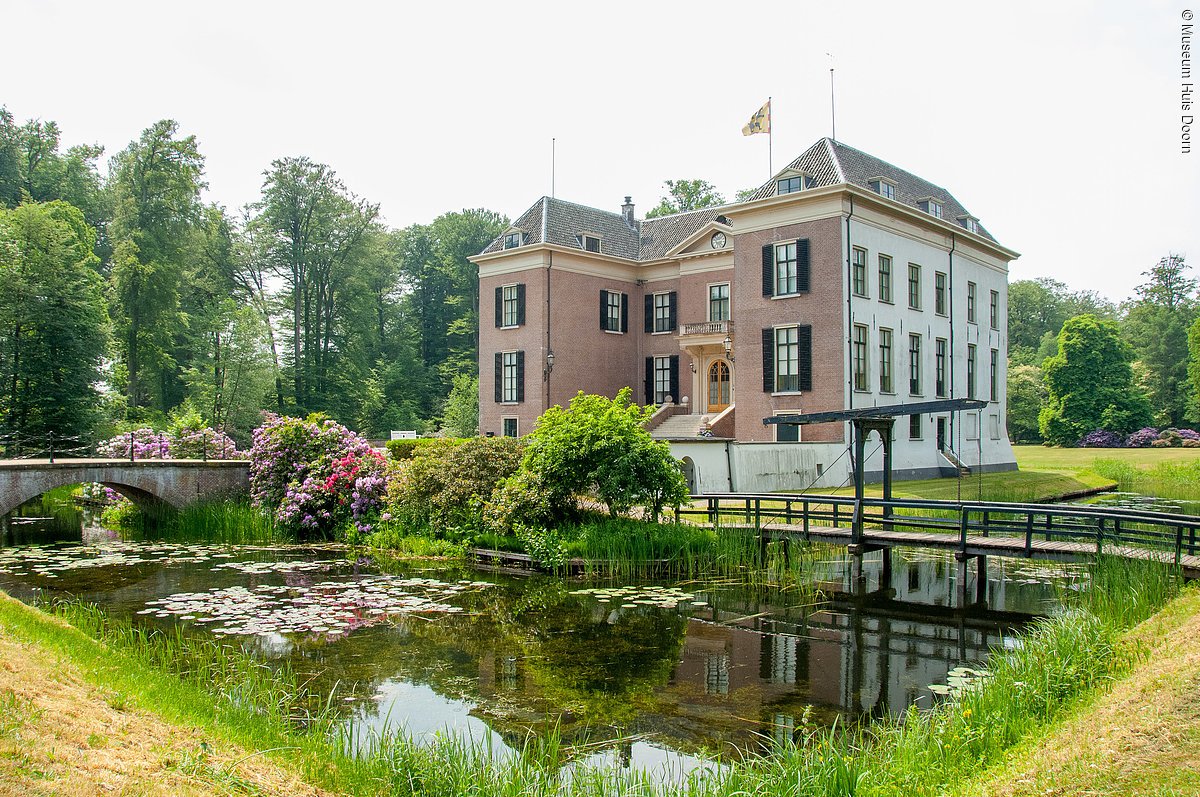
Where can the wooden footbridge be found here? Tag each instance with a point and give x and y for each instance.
(970, 530)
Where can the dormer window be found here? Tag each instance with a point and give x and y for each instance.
(589, 243)
(931, 206)
(970, 222)
(513, 239)
(883, 187)
(789, 185)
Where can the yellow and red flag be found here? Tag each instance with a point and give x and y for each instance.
(760, 122)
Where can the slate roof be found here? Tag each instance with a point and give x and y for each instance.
(826, 162)
(830, 162)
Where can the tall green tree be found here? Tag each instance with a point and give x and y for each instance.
(1156, 324)
(1089, 383)
(1026, 397)
(156, 183)
(1037, 310)
(53, 323)
(684, 195)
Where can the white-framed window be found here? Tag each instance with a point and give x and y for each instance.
(614, 311)
(971, 367)
(914, 364)
(884, 187)
(939, 293)
(513, 239)
(886, 381)
(971, 302)
(939, 366)
(861, 343)
(858, 271)
(789, 185)
(510, 302)
(994, 311)
(718, 302)
(589, 243)
(509, 381)
(970, 222)
(662, 312)
(914, 286)
(885, 278)
(662, 379)
(508, 426)
(994, 369)
(786, 269)
(932, 206)
(787, 359)
(787, 432)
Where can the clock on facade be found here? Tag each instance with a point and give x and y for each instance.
(717, 241)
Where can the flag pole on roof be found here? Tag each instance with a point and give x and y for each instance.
(832, 110)
(760, 122)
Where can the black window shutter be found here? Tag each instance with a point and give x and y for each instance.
(649, 380)
(624, 312)
(649, 327)
(672, 307)
(520, 376)
(499, 376)
(803, 268)
(768, 360)
(768, 273)
(499, 307)
(675, 377)
(521, 304)
(604, 309)
(805, 355)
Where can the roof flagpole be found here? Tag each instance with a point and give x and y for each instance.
(832, 111)
(551, 168)
(770, 141)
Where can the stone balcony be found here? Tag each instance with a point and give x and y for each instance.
(706, 328)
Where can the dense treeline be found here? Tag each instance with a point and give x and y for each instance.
(126, 300)
(1078, 363)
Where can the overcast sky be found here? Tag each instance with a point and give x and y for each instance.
(1056, 123)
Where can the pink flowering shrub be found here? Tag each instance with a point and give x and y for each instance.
(182, 444)
(315, 475)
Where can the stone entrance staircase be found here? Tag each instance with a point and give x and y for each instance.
(678, 427)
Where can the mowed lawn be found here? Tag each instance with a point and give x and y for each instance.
(1044, 474)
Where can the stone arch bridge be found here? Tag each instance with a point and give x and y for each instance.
(153, 484)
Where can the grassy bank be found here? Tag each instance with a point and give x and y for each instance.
(240, 709)
(1161, 472)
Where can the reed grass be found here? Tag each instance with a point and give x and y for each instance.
(1178, 480)
(215, 522)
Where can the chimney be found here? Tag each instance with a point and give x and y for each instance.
(627, 211)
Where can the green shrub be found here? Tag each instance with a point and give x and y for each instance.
(400, 450)
(446, 483)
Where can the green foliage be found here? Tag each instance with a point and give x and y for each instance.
(599, 448)
(53, 322)
(445, 483)
(1193, 370)
(1156, 324)
(1090, 384)
(685, 195)
(403, 449)
(1026, 397)
(460, 413)
(1037, 309)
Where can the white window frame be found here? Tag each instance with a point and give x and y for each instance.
(509, 306)
(787, 343)
(508, 377)
(662, 380)
(798, 179)
(585, 237)
(516, 426)
(516, 238)
(799, 429)
(787, 269)
(662, 312)
(612, 318)
(720, 301)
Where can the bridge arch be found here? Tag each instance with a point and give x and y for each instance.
(154, 485)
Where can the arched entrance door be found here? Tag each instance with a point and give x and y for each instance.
(718, 386)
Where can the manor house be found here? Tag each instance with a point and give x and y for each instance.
(843, 282)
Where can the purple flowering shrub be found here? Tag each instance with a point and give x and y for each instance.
(1142, 438)
(315, 475)
(181, 444)
(147, 444)
(1101, 438)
